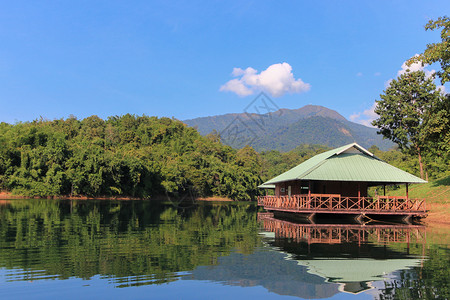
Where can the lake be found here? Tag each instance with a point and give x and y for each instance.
(142, 249)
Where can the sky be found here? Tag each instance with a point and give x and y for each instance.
(188, 59)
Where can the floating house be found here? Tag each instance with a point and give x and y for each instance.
(337, 181)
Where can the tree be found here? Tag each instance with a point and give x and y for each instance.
(437, 132)
(404, 108)
(437, 52)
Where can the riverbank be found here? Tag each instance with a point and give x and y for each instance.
(9, 196)
(215, 199)
(439, 214)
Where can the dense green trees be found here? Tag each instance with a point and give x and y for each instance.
(145, 157)
(135, 156)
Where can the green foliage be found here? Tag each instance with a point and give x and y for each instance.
(128, 155)
(438, 52)
(436, 130)
(405, 109)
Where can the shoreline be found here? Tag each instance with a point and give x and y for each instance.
(9, 196)
(437, 216)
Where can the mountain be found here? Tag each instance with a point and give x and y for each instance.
(285, 129)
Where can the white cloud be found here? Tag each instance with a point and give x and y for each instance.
(377, 74)
(365, 117)
(276, 80)
(441, 89)
(417, 66)
(236, 86)
(359, 74)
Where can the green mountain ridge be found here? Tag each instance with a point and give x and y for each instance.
(285, 129)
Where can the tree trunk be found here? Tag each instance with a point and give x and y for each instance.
(420, 162)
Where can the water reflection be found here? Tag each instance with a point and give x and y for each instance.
(129, 243)
(146, 244)
(354, 256)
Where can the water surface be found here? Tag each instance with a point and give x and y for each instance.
(141, 249)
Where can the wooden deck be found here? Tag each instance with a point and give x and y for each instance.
(343, 233)
(336, 204)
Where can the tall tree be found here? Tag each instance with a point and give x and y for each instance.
(437, 132)
(437, 52)
(404, 108)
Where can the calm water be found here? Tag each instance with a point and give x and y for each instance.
(138, 249)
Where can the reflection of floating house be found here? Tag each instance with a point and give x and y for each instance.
(337, 181)
(343, 233)
(353, 256)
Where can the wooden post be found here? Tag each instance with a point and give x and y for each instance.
(407, 194)
(309, 189)
(309, 193)
(384, 190)
(359, 191)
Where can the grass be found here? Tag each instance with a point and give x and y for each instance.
(436, 191)
(437, 197)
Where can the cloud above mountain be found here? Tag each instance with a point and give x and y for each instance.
(277, 80)
(365, 117)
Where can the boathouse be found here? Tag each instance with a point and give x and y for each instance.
(337, 181)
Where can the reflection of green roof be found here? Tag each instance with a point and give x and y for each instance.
(357, 270)
(354, 274)
(347, 163)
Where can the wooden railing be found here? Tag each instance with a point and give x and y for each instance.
(340, 233)
(335, 202)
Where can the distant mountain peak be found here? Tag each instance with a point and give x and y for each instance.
(310, 110)
(286, 128)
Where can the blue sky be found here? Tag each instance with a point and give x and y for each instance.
(175, 58)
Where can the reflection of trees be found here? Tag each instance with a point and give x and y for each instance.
(134, 241)
(429, 282)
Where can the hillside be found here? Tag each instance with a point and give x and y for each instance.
(286, 129)
(437, 196)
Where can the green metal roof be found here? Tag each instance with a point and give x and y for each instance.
(347, 163)
(266, 186)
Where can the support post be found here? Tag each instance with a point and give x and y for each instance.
(359, 191)
(384, 190)
(309, 189)
(407, 194)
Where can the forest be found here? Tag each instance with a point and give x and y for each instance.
(146, 157)
(135, 156)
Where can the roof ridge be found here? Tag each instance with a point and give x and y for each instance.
(314, 166)
(343, 149)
